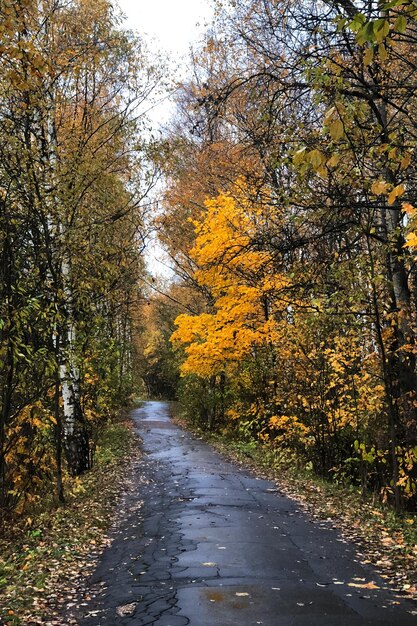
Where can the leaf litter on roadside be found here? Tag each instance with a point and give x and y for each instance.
(45, 575)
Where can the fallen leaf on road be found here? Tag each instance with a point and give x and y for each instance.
(364, 585)
(126, 609)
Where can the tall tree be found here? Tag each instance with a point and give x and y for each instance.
(318, 98)
(72, 179)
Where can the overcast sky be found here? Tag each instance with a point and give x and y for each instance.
(175, 24)
(170, 26)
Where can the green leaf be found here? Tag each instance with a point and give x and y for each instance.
(366, 34)
(400, 24)
(358, 21)
(341, 23)
(392, 3)
(381, 28)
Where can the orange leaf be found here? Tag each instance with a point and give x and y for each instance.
(370, 585)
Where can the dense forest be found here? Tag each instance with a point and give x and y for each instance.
(73, 179)
(289, 216)
(288, 213)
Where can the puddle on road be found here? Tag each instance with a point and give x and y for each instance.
(226, 597)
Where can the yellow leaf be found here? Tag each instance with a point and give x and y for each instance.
(395, 193)
(387, 541)
(408, 208)
(380, 187)
(333, 161)
(370, 585)
(382, 51)
(392, 154)
(329, 114)
(299, 156)
(411, 241)
(315, 157)
(336, 130)
(368, 56)
(405, 161)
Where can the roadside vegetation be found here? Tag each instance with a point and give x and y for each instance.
(289, 216)
(73, 177)
(384, 538)
(46, 559)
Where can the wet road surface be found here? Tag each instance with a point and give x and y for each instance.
(212, 545)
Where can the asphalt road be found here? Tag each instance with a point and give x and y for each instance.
(213, 545)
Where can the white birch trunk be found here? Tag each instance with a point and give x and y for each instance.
(76, 443)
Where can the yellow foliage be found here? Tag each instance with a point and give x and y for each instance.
(380, 187)
(411, 237)
(313, 384)
(411, 241)
(408, 208)
(396, 193)
(290, 425)
(32, 455)
(233, 414)
(240, 279)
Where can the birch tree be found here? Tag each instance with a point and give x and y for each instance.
(72, 186)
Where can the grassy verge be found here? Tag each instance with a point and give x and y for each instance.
(385, 539)
(45, 561)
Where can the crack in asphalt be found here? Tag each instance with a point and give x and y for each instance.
(212, 545)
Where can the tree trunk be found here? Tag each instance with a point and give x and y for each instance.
(58, 440)
(76, 438)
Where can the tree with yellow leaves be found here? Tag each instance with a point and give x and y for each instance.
(329, 131)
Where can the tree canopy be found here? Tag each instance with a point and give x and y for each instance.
(72, 178)
(290, 210)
